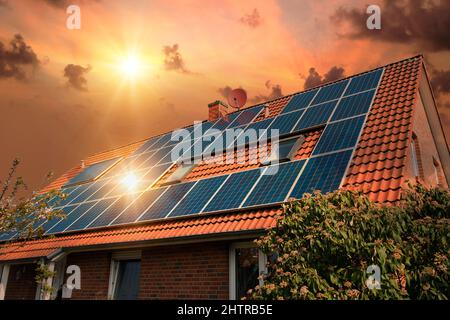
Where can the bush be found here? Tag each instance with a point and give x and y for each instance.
(322, 246)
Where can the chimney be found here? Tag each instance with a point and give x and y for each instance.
(83, 165)
(217, 109)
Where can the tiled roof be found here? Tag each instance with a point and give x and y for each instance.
(377, 168)
(199, 226)
(380, 157)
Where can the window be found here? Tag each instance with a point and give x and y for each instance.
(179, 173)
(125, 276)
(246, 264)
(437, 171)
(287, 148)
(414, 156)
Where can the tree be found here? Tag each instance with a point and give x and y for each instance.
(24, 216)
(322, 246)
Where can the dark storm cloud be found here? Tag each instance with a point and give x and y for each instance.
(75, 75)
(173, 59)
(440, 82)
(252, 20)
(15, 57)
(275, 93)
(314, 79)
(421, 22)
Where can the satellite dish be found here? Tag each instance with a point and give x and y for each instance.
(237, 98)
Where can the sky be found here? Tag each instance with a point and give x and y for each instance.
(138, 68)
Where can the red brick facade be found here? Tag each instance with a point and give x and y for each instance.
(197, 271)
(21, 282)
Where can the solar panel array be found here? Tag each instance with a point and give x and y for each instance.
(340, 108)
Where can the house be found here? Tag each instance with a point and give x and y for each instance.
(141, 224)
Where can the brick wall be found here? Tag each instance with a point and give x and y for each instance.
(21, 282)
(198, 271)
(95, 267)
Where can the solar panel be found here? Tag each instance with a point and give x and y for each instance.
(155, 158)
(167, 201)
(90, 190)
(96, 211)
(47, 225)
(161, 142)
(133, 211)
(275, 187)
(339, 135)
(246, 116)
(330, 92)
(233, 191)
(74, 194)
(92, 171)
(316, 115)
(300, 101)
(71, 217)
(364, 82)
(199, 195)
(323, 173)
(147, 145)
(285, 122)
(353, 105)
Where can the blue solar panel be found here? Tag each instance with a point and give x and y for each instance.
(90, 190)
(246, 116)
(323, 173)
(89, 216)
(316, 115)
(156, 157)
(285, 122)
(147, 145)
(353, 105)
(47, 225)
(92, 172)
(330, 92)
(198, 196)
(339, 135)
(164, 139)
(300, 101)
(133, 211)
(71, 198)
(71, 217)
(274, 188)
(364, 82)
(233, 191)
(166, 202)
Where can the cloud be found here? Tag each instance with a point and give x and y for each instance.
(252, 20)
(63, 4)
(440, 82)
(173, 59)
(421, 22)
(75, 75)
(275, 93)
(15, 57)
(225, 91)
(4, 4)
(314, 79)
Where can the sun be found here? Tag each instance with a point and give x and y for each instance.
(130, 66)
(130, 181)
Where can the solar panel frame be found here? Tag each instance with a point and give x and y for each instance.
(246, 116)
(80, 210)
(330, 92)
(93, 171)
(316, 115)
(364, 82)
(340, 135)
(300, 101)
(285, 123)
(274, 188)
(354, 105)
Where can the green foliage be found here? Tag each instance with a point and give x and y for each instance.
(23, 214)
(43, 273)
(324, 243)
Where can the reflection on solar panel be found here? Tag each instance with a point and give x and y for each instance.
(199, 195)
(166, 202)
(95, 211)
(134, 210)
(147, 145)
(300, 101)
(75, 194)
(330, 92)
(233, 191)
(47, 225)
(246, 116)
(353, 105)
(71, 217)
(316, 115)
(90, 190)
(339, 135)
(274, 188)
(323, 173)
(92, 171)
(285, 122)
(155, 158)
(364, 82)
(161, 142)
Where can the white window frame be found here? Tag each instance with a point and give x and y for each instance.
(114, 268)
(4, 275)
(414, 160)
(262, 265)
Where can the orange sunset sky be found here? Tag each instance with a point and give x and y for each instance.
(66, 94)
